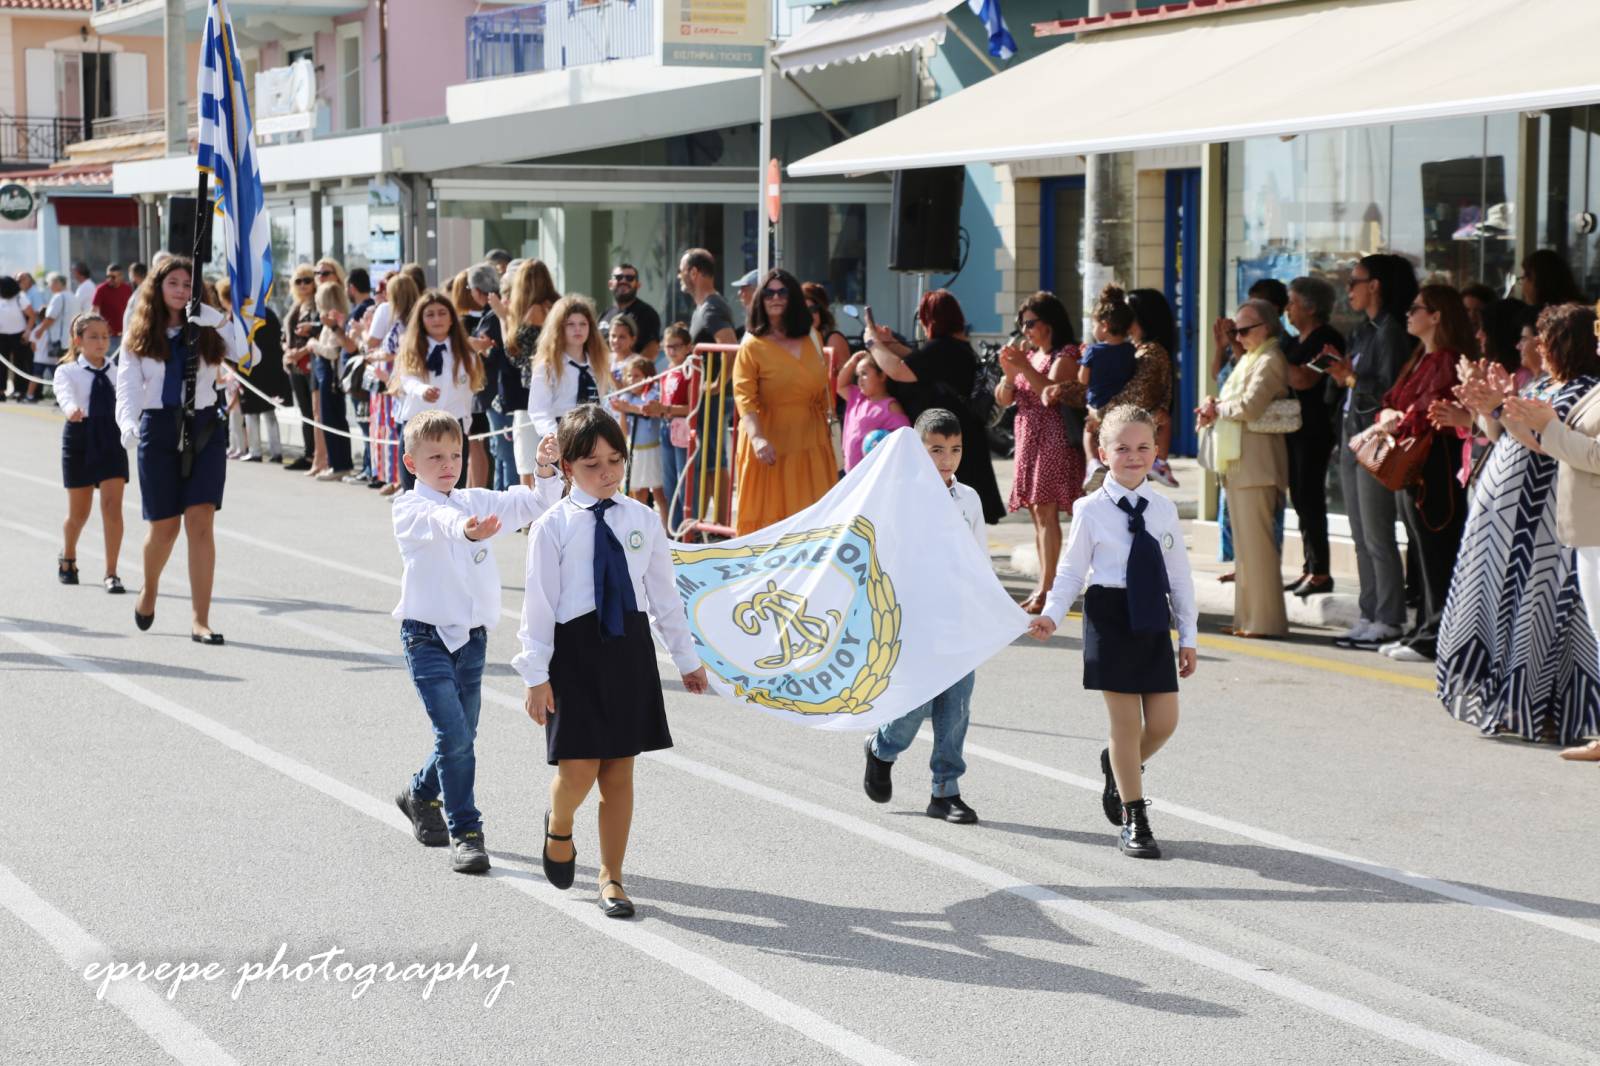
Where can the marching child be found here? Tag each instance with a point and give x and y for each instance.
(1126, 540)
(1107, 365)
(597, 562)
(864, 388)
(435, 369)
(449, 600)
(92, 454)
(940, 431)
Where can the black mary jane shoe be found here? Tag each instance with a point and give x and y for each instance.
(621, 907)
(143, 621)
(559, 874)
(66, 570)
(113, 585)
(213, 639)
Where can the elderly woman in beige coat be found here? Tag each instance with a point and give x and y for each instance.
(1254, 467)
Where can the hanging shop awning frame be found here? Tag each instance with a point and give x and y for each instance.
(1280, 69)
(864, 29)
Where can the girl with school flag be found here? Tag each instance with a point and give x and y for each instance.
(169, 405)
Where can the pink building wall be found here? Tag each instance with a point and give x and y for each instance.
(427, 53)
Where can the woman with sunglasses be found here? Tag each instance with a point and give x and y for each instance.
(785, 461)
(300, 326)
(1254, 467)
(1435, 509)
(1049, 465)
(1381, 289)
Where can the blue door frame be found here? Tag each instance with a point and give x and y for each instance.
(1181, 246)
(1047, 232)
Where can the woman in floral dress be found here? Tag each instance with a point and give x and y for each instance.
(1041, 379)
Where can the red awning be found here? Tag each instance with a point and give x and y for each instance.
(108, 212)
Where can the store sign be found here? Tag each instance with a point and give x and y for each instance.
(714, 33)
(16, 202)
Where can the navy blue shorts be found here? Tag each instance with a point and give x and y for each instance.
(92, 452)
(163, 491)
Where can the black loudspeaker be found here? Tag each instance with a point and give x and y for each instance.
(180, 227)
(925, 228)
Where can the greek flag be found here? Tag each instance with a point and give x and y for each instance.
(228, 154)
(1001, 44)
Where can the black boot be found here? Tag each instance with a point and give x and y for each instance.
(1110, 801)
(951, 809)
(877, 784)
(1137, 840)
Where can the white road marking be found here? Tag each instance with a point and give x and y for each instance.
(143, 1005)
(735, 986)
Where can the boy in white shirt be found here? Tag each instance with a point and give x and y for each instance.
(940, 431)
(449, 600)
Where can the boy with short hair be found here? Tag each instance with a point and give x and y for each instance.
(449, 600)
(940, 431)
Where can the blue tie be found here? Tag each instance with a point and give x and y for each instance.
(613, 587)
(100, 421)
(1147, 574)
(587, 393)
(436, 360)
(177, 366)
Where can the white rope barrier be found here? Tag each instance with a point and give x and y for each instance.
(23, 374)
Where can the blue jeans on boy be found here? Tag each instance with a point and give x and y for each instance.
(503, 459)
(450, 684)
(950, 711)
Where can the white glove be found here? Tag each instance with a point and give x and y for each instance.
(208, 316)
(130, 440)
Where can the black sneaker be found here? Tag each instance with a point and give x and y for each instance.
(1110, 800)
(877, 783)
(298, 464)
(1137, 841)
(952, 809)
(426, 818)
(467, 854)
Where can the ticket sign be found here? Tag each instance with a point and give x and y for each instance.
(714, 33)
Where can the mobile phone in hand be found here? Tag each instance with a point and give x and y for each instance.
(871, 323)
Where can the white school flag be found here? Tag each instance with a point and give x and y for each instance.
(862, 607)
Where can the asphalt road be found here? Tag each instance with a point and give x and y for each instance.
(1350, 875)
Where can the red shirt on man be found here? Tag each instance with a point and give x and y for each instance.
(112, 303)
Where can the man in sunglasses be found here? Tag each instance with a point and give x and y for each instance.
(624, 286)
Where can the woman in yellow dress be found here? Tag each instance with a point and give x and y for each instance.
(785, 461)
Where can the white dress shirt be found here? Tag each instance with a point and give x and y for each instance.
(13, 319)
(971, 505)
(60, 311)
(455, 389)
(140, 381)
(1097, 553)
(85, 295)
(446, 580)
(382, 319)
(73, 383)
(548, 401)
(560, 579)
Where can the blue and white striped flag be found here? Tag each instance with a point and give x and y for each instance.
(1001, 44)
(228, 154)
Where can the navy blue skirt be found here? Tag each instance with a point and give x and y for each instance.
(92, 452)
(163, 491)
(607, 692)
(1115, 658)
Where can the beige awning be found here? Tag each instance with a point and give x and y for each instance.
(851, 32)
(1277, 70)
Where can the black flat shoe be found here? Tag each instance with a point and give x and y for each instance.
(298, 464)
(213, 639)
(113, 585)
(952, 809)
(143, 621)
(1311, 587)
(877, 782)
(1110, 800)
(560, 874)
(66, 570)
(620, 907)
(1297, 584)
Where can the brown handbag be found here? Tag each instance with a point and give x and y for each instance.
(1397, 464)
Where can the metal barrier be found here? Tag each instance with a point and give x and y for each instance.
(706, 486)
(558, 34)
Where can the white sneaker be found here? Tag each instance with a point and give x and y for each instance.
(1405, 653)
(1354, 633)
(1377, 636)
(1390, 648)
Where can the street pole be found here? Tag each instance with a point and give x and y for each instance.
(764, 153)
(1108, 207)
(177, 64)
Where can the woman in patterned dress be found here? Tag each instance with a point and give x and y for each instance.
(1049, 467)
(1511, 660)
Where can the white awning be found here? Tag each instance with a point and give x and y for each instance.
(851, 32)
(1279, 70)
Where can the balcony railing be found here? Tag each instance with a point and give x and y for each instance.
(36, 142)
(558, 34)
